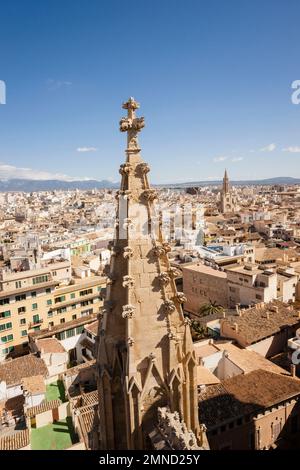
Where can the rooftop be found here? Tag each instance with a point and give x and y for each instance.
(245, 394)
(262, 320)
(13, 371)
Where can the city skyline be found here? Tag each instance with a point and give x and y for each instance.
(67, 66)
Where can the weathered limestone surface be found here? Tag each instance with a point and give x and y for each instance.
(146, 358)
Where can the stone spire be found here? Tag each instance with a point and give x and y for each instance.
(225, 183)
(145, 358)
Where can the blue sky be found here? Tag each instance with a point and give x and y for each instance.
(213, 79)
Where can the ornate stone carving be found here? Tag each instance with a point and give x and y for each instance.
(125, 169)
(150, 194)
(175, 432)
(127, 252)
(174, 273)
(130, 341)
(187, 321)
(159, 251)
(169, 306)
(128, 281)
(164, 278)
(180, 297)
(166, 246)
(128, 311)
(144, 167)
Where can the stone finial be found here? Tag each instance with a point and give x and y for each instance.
(125, 169)
(131, 124)
(128, 281)
(144, 167)
(169, 306)
(164, 278)
(159, 251)
(150, 194)
(181, 297)
(174, 272)
(128, 311)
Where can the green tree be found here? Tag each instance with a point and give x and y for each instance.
(210, 308)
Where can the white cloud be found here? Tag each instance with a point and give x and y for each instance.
(220, 159)
(86, 149)
(268, 148)
(56, 84)
(292, 149)
(10, 171)
(237, 159)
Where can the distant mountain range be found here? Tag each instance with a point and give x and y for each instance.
(270, 181)
(27, 185)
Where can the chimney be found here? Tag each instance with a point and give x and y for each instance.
(293, 370)
(268, 315)
(236, 327)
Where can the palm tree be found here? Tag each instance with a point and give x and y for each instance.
(197, 330)
(210, 308)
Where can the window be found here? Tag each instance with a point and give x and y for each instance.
(73, 306)
(21, 310)
(48, 291)
(35, 318)
(71, 333)
(84, 313)
(49, 302)
(20, 297)
(8, 350)
(50, 314)
(79, 330)
(73, 295)
(18, 284)
(7, 339)
(62, 320)
(33, 294)
(23, 321)
(61, 310)
(51, 323)
(39, 279)
(60, 299)
(34, 306)
(99, 289)
(6, 326)
(4, 301)
(61, 335)
(74, 317)
(258, 297)
(5, 314)
(85, 292)
(24, 333)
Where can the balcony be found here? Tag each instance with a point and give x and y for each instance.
(35, 323)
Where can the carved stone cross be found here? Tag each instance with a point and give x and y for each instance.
(131, 124)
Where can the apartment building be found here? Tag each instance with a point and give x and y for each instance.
(32, 300)
(233, 285)
(203, 284)
(248, 285)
